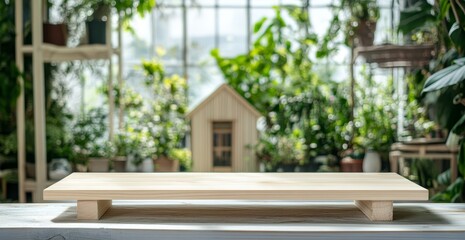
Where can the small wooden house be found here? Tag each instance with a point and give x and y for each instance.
(223, 133)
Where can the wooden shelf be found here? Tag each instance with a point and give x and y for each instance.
(393, 56)
(52, 53)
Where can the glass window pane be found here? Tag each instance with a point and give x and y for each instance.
(202, 82)
(257, 14)
(168, 35)
(320, 18)
(266, 3)
(200, 3)
(321, 3)
(383, 27)
(135, 46)
(232, 32)
(200, 35)
(235, 3)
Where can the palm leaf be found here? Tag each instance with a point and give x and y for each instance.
(446, 77)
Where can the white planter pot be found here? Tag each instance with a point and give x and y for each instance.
(59, 168)
(372, 162)
(147, 165)
(130, 166)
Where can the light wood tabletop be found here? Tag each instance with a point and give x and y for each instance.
(371, 191)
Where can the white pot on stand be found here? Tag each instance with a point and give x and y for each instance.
(372, 161)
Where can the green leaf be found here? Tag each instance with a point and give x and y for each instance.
(416, 17)
(457, 35)
(258, 25)
(444, 8)
(446, 77)
(444, 178)
(459, 127)
(461, 160)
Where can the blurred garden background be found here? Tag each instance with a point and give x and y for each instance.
(223, 85)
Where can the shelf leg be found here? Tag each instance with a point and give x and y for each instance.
(376, 210)
(92, 209)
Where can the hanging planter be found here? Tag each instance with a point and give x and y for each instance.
(56, 34)
(365, 33)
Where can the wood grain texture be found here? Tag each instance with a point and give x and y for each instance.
(92, 209)
(376, 210)
(236, 186)
(271, 220)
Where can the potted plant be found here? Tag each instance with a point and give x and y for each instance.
(96, 25)
(280, 153)
(88, 130)
(99, 157)
(364, 16)
(56, 32)
(183, 156)
(121, 143)
(166, 117)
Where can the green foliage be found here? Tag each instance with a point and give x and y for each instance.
(184, 157)
(88, 132)
(417, 17)
(347, 16)
(375, 114)
(275, 76)
(445, 87)
(164, 118)
(9, 74)
(275, 151)
(446, 77)
(277, 63)
(127, 8)
(453, 193)
(444, 21)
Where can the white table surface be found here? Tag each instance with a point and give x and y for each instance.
(231, 220)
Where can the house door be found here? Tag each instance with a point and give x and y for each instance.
(222, 146)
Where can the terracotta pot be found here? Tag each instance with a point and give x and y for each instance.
(165, 164)
(365, 33)
(99, 164)
(56, 34)
(349, 164)
(119, 163)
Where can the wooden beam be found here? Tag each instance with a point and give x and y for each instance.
(39, 100)
(376, 210)
(93, 209)
(20, 108)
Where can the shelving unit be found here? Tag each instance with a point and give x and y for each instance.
(44, 53)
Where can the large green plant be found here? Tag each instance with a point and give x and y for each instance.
(126, 8)
(375, 114)
(88, 133)
(9, 74)
(276, 77)
(447, 85)
(347, 17)
(164, 118)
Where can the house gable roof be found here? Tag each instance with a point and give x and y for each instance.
(231, 91)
